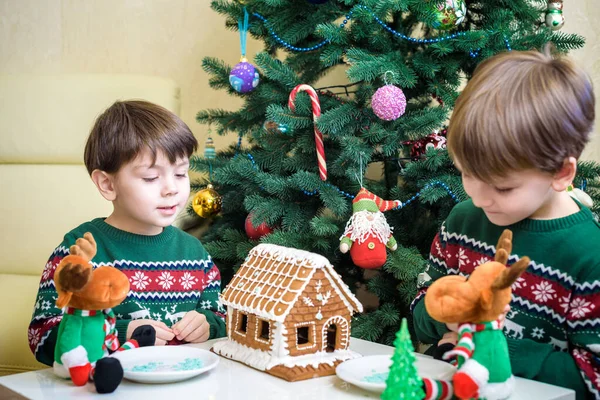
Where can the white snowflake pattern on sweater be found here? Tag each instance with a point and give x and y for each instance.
(544, 291)
(580, 308)
(140, 280)
(166, 280)
(188, 280)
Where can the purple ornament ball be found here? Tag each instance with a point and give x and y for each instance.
(243, 77)
(389, 102)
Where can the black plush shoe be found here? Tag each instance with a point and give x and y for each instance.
(439, 351)
(145, 335)
(107, 375)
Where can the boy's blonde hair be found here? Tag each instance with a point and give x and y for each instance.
(520, 110)
(127, 127)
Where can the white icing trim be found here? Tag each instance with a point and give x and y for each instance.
(261, 360)
(342, 324)
(238, 322)
(280, 253)
(230, 312)
(312, 337)
(308, 301)
(339, 286)
(280, 345)
(246, 284)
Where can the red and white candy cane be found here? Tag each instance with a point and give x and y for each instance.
(316, 109)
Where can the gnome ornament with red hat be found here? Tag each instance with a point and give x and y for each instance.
(367, 232)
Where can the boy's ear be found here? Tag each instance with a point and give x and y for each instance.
(564, 177)
(105, 184)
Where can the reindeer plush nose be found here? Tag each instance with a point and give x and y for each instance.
(446, 285)
(441, 296)
(107, 288)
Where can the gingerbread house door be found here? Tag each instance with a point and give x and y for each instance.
(335, 334)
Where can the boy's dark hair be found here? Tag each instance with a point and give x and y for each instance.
(126, 127)
(521, 109)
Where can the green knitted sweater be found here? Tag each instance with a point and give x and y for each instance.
(553, 329)
(170, 274)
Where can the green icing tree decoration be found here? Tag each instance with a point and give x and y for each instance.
(403, 381)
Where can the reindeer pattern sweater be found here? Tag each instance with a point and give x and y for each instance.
(169, 274)
(553, 329)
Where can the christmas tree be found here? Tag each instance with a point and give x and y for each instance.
(403, 381)
(404, 62)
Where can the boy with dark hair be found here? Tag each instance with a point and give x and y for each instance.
(137, 155)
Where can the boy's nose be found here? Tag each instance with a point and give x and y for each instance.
(170, 188)
(480, 194)
(481, 200)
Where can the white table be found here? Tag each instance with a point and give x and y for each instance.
(234, 381)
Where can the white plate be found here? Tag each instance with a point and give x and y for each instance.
(162, 364)
(371, 372)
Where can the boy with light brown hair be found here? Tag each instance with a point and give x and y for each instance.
(516, 134)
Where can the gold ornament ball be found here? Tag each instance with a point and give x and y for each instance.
(207, 202)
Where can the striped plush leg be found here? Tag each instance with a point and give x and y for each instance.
(437, 389)
(128, 345)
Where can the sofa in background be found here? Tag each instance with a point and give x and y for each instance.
(45, 188)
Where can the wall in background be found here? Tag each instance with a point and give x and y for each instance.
(169, 38)
(582, 17)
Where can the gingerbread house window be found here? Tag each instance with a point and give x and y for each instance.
(242, 325)
(303, 334)
(263, 331)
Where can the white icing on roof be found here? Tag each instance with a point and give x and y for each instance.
(272, 278)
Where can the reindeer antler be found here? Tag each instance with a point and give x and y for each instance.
(84, 247)
(504, 247)
(510, 274)
(74, 271)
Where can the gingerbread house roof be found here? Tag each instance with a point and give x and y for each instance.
(272, 278)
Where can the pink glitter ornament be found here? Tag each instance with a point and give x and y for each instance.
(389, 102)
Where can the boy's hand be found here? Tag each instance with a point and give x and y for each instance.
(163, 332)
(453, 327)
(192, 328)
(449, 337)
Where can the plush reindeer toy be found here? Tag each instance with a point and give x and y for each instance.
(87, 332)
(475, 303)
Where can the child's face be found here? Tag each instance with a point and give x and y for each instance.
(149, 196)
(520, 195)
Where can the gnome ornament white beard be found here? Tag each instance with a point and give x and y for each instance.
(365, 224)
(369, 234)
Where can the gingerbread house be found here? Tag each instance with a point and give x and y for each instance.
(288, 314)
